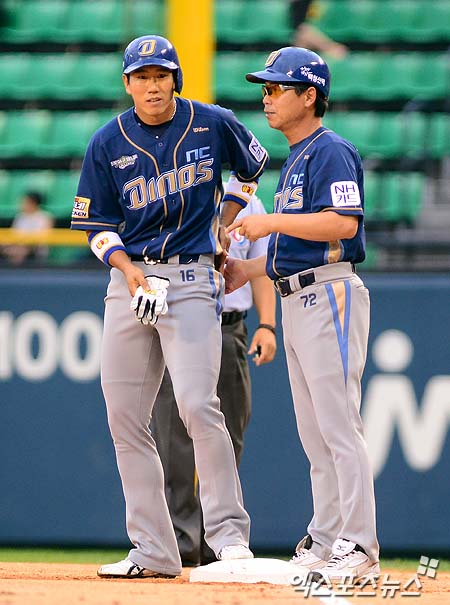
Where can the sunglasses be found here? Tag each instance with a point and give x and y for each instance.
(275, 90)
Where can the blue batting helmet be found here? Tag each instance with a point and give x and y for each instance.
(153, 50)
(291, 65)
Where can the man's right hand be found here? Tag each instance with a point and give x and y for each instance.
(235, 274)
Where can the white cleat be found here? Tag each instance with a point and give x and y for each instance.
(128, 569)
(348, 560)
(235, 551)
(304, 559)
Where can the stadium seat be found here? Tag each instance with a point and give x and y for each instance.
(34, 20)
(430, 23)
(385, 21)
(8, 205)
(72, 76)
(23, 133)
(14, 70)
(96, 20)
(20, 181)
(144, 16)
(438, 140)
(252, 21)
(402, 196)
(61, 195)
(372, 210)
(69, 133)
(230, 69)
(267, 187)
(271, 139)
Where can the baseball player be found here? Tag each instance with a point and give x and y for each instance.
(234, 390)
(148, 196)
(317, 236)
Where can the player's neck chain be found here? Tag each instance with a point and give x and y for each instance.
(174, 110)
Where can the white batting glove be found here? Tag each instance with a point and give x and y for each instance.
(151, 303)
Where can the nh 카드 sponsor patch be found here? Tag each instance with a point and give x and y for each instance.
(81, 207)
(345, 193)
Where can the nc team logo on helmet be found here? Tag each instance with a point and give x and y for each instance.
(271, 58)
(293, 64)
(146, 48)
(153, 50)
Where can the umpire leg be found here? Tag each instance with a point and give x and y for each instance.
(177, 457)
(234, 391)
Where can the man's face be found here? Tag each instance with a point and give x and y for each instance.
(152, 90)
(282, 106)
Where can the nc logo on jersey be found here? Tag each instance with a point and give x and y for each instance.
(147, 47)
(257, 150)
(345, 193)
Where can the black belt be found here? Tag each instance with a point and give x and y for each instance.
(184, 259)
(232, 317)
(304, 279)
(284, 287)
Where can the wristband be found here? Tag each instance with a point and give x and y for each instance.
(239, 192)
(268, 327)
(104, 243)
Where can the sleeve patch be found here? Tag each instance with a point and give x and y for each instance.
(256, 149)
(345, 193)
(81, 207)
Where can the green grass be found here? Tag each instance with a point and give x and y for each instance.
(101, 556)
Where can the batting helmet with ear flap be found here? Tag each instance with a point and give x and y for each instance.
(291, 65)
(153, 50)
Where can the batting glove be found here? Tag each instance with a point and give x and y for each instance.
(149, 304)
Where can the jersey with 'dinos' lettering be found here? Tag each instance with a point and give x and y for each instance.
(162, 193)
(322, 173)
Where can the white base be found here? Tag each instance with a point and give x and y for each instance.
(249, 571)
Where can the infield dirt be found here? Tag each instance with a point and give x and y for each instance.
(69, 584)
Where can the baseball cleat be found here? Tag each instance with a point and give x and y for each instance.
(128, 569)
(348, 560)
(235, 551)
(304, 559)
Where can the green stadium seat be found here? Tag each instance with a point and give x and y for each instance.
(343, 20)
(273, 140)
(14, 72)
(385, 21)
(100, 76)
(34, 20)
(69, 76)
(252, 21)
(430, 23)
(8, 205)
(371, 201)
(22, 133)
(438, 141)
(402, 196)
(21, 181)
(230, 69)
(144, 16)
(69, 133)
(96, 20)
(379, 76)
(62, 193)
(267, 187)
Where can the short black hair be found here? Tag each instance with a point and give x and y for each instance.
(36, 196)
(321, 104)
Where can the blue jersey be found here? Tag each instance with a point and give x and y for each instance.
(162, 193)
(322, 173)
